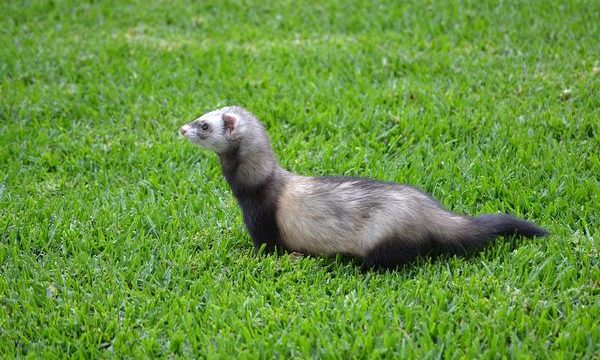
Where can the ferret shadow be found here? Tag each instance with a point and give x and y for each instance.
(345, 263)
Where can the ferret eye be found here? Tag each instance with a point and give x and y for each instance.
(204, 126)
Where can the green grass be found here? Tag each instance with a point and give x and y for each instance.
(118, 238)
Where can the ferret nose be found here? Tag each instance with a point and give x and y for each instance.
(184, 129)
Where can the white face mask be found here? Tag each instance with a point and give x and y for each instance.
(214, 130)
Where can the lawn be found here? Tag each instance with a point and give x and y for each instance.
(120, 239)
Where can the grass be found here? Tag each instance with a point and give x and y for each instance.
(118, 238)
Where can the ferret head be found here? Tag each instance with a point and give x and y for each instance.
(218, 130)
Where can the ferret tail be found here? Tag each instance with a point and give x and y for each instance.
(464, 236)
(504, 225)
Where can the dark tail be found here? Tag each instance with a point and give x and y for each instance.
(480, 230)
(504, 225)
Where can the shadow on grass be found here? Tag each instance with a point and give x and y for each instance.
(348, 265)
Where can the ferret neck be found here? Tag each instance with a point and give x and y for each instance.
(246, 170)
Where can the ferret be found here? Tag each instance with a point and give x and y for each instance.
(382, 224)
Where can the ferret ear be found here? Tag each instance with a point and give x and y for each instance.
(230, 122)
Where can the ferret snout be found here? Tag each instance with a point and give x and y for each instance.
(184, 129)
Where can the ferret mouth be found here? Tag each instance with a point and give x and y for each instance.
(188, 132)
(193, 137)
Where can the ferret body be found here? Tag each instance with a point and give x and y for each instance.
(383, 224)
